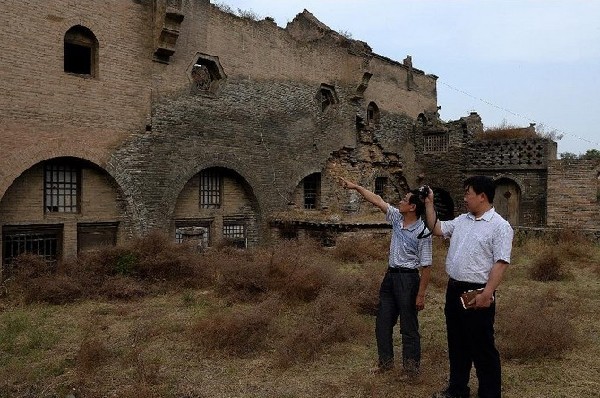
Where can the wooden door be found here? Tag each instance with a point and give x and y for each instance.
(507, 200)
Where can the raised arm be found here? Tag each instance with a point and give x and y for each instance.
(432, 222)
(365, 193)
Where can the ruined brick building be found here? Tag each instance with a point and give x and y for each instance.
(126, 116)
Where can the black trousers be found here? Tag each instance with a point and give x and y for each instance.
(397, 299)
(471, 342)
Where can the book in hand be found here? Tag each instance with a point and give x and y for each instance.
(469, 296)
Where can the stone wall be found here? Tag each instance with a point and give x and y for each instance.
(574, 194)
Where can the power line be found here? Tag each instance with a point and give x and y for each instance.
(517, 114)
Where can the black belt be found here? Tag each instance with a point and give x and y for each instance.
(395, 270)
(464, 285)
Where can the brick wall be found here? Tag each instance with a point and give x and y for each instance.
(574, 194)
(48, 113)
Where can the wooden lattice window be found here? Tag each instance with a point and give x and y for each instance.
(61, 188)
(435, 143)
(211, 189)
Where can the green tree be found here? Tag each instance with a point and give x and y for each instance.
(591, 154)
(568, 156)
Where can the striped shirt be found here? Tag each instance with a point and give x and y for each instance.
(476, 244)
(406, 250)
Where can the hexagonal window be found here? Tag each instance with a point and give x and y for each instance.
(206, 75)
(326, 96)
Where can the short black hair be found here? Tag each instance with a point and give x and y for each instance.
(415, 199)
(482, 184)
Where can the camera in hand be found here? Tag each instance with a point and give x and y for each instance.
(424, 192)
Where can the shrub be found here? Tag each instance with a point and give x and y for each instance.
(53, 289)
(121, 287)
(240, 332)
(328, 320)
(27, 266)
(362, 249)
(548, 267)
(92, 354)
(359, 289)
(533, 326)
(297, 270)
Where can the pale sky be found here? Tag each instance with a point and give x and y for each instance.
(511, 61)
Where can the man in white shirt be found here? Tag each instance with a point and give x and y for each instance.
(479, 254)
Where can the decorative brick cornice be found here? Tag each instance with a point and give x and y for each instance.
(167, 38)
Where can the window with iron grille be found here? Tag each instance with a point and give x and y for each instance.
(380, 184)
(435, 143)
(93, 236)
(211, 187)
(185, 230)
(312, 189)
(61, 188)
(235, 233)
(42, 240)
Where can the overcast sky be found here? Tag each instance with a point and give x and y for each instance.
(512, 61)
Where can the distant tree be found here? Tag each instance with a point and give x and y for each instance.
(590, 154)
(248, 14)
(568, 155)
(549, 133)
(345, 33)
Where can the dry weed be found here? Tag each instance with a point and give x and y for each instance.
(328, 320)
(92, 354)
(360, 290)
(536, 325)
(241, 331)
(549, 266)
(362, 249)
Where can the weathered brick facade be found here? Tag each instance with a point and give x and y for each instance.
(176, 90)
(574, 194)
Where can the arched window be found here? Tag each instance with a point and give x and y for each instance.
(372, 114)
(81, 52)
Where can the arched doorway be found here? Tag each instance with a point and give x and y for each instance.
(444, 205)
(217, 206)
(507, 200)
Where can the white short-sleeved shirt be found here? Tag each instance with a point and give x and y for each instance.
(476, 244)
(406, 249)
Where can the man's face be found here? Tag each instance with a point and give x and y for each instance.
(405, 205)
(473, 201)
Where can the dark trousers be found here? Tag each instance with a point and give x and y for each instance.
(397, 298)
(471, 342)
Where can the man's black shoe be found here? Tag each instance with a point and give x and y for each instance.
(446, 394)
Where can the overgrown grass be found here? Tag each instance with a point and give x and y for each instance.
(153, 319)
